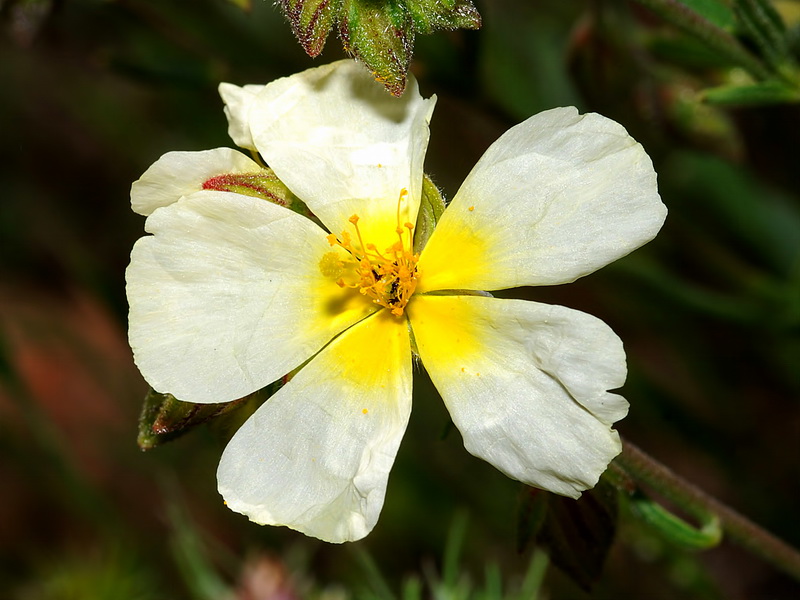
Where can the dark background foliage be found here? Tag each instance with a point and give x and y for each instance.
(92, 92)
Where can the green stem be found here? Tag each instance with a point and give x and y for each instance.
(696, 25)
(694, 501)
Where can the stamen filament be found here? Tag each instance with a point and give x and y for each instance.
(388, 277)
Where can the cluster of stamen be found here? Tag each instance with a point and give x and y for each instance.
(388, 277)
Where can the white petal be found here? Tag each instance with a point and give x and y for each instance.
(526, 383)
(344, 146)
(227, 296)
(179, 174)
(555, 198)
(238, 101)
(316, 456)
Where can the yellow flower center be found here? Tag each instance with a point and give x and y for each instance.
(389, 277)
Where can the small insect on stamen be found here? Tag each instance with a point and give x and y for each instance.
(388, 277)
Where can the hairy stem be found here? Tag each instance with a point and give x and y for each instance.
(645, 469)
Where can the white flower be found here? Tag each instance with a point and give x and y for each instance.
(230, 293)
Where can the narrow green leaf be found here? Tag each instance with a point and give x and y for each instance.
(716, 11)
(452, 550)
(412, 588)
(700, 27)
(371, 574)
(192, 558)
(534, 576)
(760, 22)
(675, 529)
(757, 94)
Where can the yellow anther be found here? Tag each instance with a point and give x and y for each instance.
(388, 277)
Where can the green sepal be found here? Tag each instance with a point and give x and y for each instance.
(312, 21)
(674, 529)
(577, 534)
(431, 208)
(264, 184)
(381, 35)
(757, 94)
(165, 418)
(430, 15)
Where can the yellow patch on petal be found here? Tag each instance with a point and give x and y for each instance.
(457, 253)
(446, 331)
(373, 353)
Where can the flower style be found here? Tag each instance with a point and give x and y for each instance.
(231, 292)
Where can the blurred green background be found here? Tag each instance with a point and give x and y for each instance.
(93, 91)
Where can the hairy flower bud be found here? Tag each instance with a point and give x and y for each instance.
(380, 33)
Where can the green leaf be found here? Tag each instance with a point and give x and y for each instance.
(757, 94)
(716, 11)
(761, 22)
(430, 211)
(576, 533)
(687, 52)
(191, 554)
